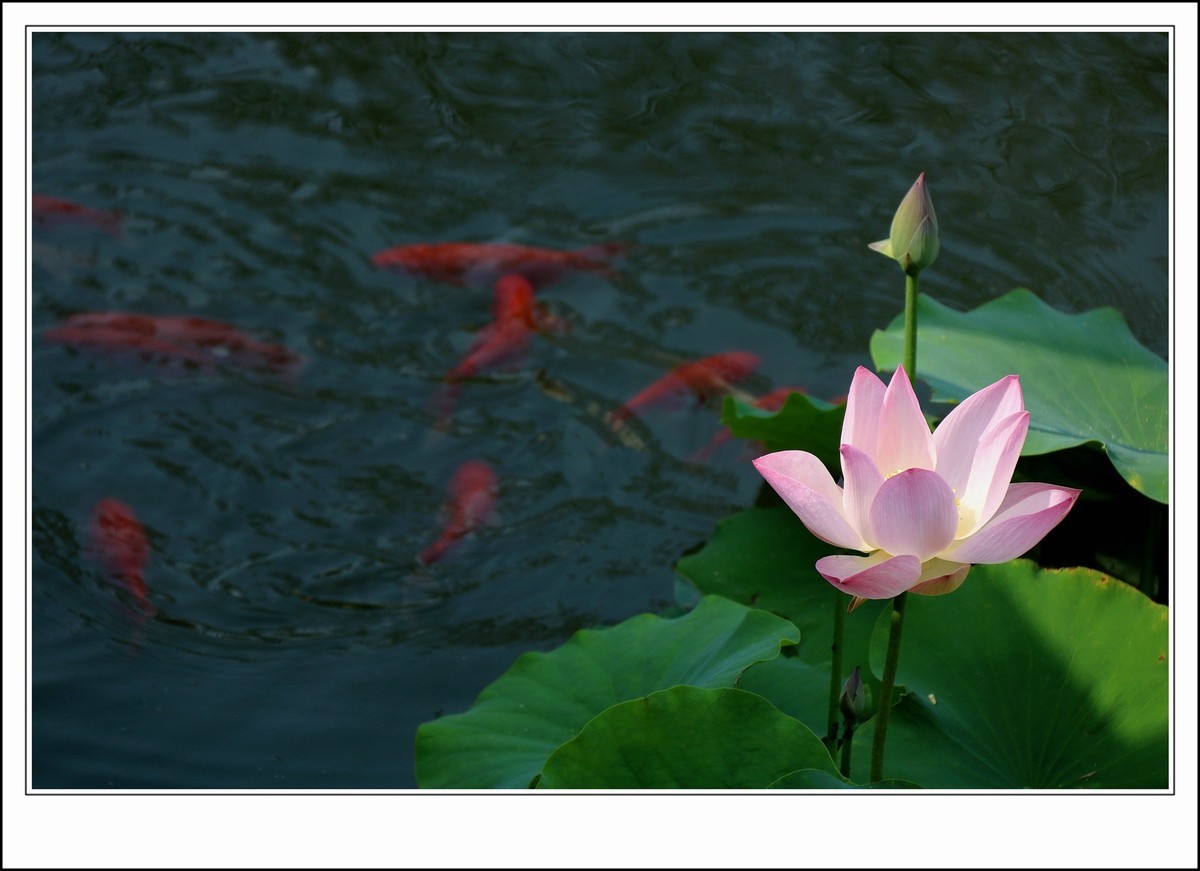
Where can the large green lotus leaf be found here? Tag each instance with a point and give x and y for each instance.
(798, 688)
(1029, 678)
(764, 557)
(802, 424)
(686, 738)
(544, 699)
(1084, 376)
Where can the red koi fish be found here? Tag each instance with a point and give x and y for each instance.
(498, 343)
(516, 316)
(119, 543)
(514, 300)
(472, 500)
(476, 263)
(703, 378)
(193, 341)
(772, 401)
(506, 339)
(52, 212)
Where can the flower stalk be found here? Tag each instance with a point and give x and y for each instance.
(910, 325)
(835, 668)
(847, 743)
(888, 684)
(854, 706)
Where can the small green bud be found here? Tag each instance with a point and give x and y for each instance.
(914, 239)
(853, 702)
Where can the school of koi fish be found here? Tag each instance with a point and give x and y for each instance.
(118, 542)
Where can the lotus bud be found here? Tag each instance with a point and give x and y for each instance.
(853, 702)
(914, 239)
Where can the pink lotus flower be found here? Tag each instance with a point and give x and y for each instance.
(923, 506)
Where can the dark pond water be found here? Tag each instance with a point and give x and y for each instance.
(289, 638)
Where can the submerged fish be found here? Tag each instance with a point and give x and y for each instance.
(513, 299)
(472, 501)
(485, 262)
(53, 212)
(516, 317)
(119, 543)
(702, 378)
(197, 342)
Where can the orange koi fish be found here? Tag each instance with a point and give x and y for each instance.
(506, 339)
(196, 342)
(119, 543)
(514, 299)
(703, 378)
(52, 212)
(515, 317)
(498, 343)
(772, 401)
(472, 500)
(476, 263)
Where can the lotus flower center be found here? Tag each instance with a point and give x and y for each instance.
(966, 519)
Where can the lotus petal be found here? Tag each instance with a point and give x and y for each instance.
(995, 459)
(863, 481)
(939, 577)
(914, 513)
(878, 576)
(864, 402)
(1028, 512)
(904, 438)
(957, 437)
(803, 482)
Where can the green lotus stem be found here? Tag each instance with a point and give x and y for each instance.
(910, 326)
(835, 668)
(885, 691)
(847, 741)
